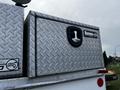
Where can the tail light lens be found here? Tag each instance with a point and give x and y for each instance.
(102, 71)
(100, 82)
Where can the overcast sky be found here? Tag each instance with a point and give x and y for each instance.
(102, 13)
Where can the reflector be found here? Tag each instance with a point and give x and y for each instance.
(100, 82)
(102, 71)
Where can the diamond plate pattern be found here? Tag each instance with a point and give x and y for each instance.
(11, 34)
(55, 54)
(31, 54)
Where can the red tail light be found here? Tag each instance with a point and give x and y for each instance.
(103, 71)
(100, 82)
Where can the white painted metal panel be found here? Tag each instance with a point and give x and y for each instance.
(85, 84)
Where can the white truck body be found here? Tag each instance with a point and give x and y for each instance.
(84, 84)
(25, 84)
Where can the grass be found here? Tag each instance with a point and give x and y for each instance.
(114, 85)
(115, 67)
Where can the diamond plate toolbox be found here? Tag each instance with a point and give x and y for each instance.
(60, 46)
(11, 40)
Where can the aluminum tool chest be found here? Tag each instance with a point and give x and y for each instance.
(49, 53)
(11, 40)
(61, 46)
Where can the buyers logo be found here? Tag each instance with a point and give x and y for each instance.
(12, 64)
(9, 65)
(74, 35)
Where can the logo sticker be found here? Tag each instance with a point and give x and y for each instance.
(90, 34)
(74, 35)
(9, 65)
(12, 64)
